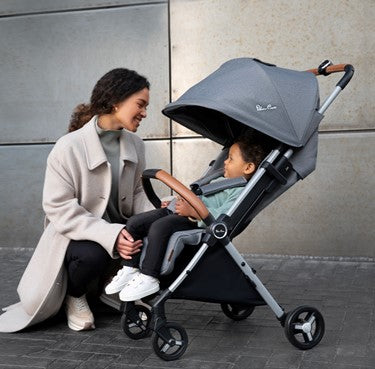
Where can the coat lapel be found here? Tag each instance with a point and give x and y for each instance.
(100, 177)
(95, 154)
(128, 151)
(94, 151)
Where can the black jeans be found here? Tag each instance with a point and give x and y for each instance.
(84, 261)
(158, 225)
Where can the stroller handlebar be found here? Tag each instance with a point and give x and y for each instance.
(327, 70)
(176, 186)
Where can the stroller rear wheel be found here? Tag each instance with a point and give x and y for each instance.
(236, 311)
(170, 341)
(304, 327)
(136, 322)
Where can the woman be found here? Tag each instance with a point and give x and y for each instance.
(92, 185)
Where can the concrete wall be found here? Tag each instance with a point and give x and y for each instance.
(54, 52)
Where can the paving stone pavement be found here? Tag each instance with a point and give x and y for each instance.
(344, 292)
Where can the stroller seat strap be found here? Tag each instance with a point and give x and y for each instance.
(206, 179)
(218, 186)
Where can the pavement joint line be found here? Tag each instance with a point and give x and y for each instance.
(349, 259)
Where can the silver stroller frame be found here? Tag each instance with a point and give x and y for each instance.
(304, 326)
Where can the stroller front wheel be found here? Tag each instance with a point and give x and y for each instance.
(136, 322)
(237, 312)
(304, 327)
(170, 341)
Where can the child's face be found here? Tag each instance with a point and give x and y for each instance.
(235, 166)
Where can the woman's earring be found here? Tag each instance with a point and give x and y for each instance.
(116, 108)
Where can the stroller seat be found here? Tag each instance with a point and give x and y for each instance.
(201, 186)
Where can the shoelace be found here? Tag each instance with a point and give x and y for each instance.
(80, 304)
(136, 279)
(119, 274)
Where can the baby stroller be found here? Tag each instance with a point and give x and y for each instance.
(203, 264)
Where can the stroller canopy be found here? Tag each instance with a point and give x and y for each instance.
(278, 102)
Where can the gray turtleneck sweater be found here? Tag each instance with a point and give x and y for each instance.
(111, 145)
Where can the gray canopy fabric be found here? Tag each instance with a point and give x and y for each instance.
(278, 102)
(245, 92)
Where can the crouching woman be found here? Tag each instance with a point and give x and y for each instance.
(92, 185)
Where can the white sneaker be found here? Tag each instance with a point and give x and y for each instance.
(123, 276)
(80, 317)
(140, 286)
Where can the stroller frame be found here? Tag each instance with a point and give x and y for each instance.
(216, 235)
(170, 339)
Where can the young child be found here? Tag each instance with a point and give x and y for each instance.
(158, 225)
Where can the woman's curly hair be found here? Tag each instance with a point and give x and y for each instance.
(114, 87)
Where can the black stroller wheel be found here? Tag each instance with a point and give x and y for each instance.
(304, 327)
(236, 311)
(170, 341)
(135, 323)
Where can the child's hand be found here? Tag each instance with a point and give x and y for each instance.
(183, 208)
(164, 204)
(165, 201)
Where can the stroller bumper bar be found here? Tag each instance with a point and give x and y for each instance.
(178, 187)
(146, 183)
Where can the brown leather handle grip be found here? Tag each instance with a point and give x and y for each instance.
(325, 71)
(183, 191)
(331, 69)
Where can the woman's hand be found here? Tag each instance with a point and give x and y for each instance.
(126, 246)
(185, 209)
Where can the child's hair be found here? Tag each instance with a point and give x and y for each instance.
(252, 147)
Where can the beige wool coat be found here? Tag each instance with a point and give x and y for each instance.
(75, 196)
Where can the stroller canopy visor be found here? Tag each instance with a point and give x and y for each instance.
(278, 102)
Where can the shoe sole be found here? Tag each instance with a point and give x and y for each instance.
(86, 327)
(111, 291)
(138, 296)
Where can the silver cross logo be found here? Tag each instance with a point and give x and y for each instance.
(268, 107)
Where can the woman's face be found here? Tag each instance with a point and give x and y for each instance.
(132, 110)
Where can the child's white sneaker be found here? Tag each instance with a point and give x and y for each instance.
(140, 286)
(123, 276)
